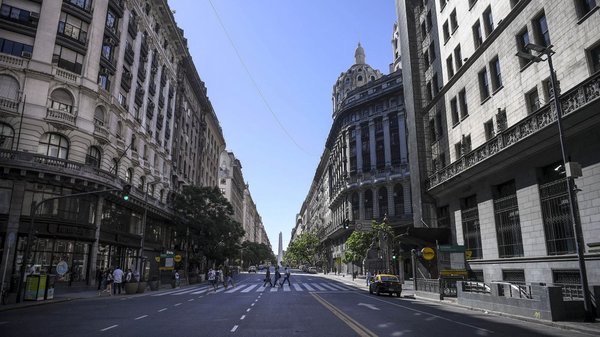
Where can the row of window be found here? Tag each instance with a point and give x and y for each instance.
(382, 203)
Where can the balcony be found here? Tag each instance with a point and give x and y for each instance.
(142, 72)
(126, 81)
(572, 101)
(152, 88)
(129, 54)
(61, 119)
(13, 61)
(118, 6)
(9, 105)
(100, 132)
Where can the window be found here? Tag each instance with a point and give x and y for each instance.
(9, 92)
(54, 145)
(61, 100)
(382, 196)
(398, 199)
(93, 157)
(432, 131)
(522, 41)
(594, 58)
(450, 67)
(454, 111)
(15, 48)
(458, 57)
(426, 58)
(68, 59)
(129, 175)
(111, 21)
(496, 74)
(484, 88)
(541, 30)
(17, 15)
(435, 85)
(462, 99)
(104, 78)
(429, 21)
(453, 21)
(533, 100)
(489, 129)
(7, 136)
(477, 36)
(429, 92)
(83, 4)
(446, 31)
(516, 276)
(432, 55)
(423, 29)
(471, 228)
(368, 204)
(488, 21)
(508, 224)
(438, 125)
(443, 217)
(73, 28)
(466, 144)
(584, 6)
(99, 116)
(458, 150)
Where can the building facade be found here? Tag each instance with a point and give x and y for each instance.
(89, 91)
(483, 133)
(363, 174)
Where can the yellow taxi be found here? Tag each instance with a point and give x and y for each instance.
(386, 283)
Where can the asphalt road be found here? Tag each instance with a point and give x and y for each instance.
(312, 306)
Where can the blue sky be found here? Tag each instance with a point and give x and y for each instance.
(294, 52)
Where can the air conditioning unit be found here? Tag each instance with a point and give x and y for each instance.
(26, 54)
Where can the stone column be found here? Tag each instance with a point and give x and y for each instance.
(386, 141)
(376, 214)
(372, 147)
(403, 140)
(359, 158)
(94, 251)
(12, 228)
(361, 205)
(390, 197)
(347, 154)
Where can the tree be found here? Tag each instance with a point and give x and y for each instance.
(253, 253)
(208, 214)
(303, 250)
(357, 245)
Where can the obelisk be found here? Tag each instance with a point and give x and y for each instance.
(280, 250)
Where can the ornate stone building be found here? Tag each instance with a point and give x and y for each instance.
(483, 132)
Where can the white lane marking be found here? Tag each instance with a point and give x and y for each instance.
(297, 287)
(430, 314)
(248, 310)
(336, 287)
(234, 328)
(327, 286)
(110, 327)
(252, 304)
(190, 291)
(191, 299)
(286, 288)
(233, 290)
(261, 289)
(243, 316)
(274, 289)
(144, 316)
(163, 309)
(252, 286)
(318, 287)
(199, 291)
(308, 287)
(176, 304)
(175, 292)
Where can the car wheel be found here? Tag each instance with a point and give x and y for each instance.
(370, 291)
(378, 292)
(398, 294)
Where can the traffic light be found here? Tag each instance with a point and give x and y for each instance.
(346, 224)
(394, 255)
(126, 190)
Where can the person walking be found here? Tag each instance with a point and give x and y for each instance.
(109, 281)
(118, 280)
(268, 278)
(221, 277)
(128, 276)
(229, 277)
(277, 276)
(286, 277)
(368, 278)
(212, 276)
(99, 277)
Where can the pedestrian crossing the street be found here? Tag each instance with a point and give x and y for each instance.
(246, 288)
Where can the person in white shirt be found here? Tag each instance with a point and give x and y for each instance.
(118, 280)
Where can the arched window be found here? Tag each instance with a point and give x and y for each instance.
(99, 116)
(93, 157)
(133, 143)
(119, 130)
(354, 200)
(161, 195)
(368, 204)
(115, 166)
(383, 201)
(372, 78)
(129, 175)
(151, 189)
(61, 100)
(359, 78)
(9, 90)
(142, 184)
(54, 145)
(398, 199)
(7, 136)
(145, 153)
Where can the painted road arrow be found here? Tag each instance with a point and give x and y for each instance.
(370, 306)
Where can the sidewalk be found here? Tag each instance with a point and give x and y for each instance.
(408, 291)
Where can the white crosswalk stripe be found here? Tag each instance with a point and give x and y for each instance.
(297, 287)
(261, 289)
(286, 287)
(318, 287)
(327, 286)
(337, 287)
(234, 289)
(274, 289)
(249, 288)
(246, 288)
(308, 287)
(200, 291)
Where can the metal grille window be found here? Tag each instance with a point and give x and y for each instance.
(508, 225)
(383, 202)
(398, 199)
(471, 228)
(514, 276)
(560, 238)
(570, 281)
(443, 217)
(368, 204)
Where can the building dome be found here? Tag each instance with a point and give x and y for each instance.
(358, 75)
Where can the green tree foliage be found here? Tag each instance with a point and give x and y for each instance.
(303, 250)
(208, 214)
(253, 253)
(357, 245)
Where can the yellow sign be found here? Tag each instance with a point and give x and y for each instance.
(428, 253)
(468, 254)
(157, 258)
(177, 258)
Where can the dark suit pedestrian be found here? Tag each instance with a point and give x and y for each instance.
(268, 278)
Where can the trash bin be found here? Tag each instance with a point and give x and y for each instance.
(31, 287)
(50, 287)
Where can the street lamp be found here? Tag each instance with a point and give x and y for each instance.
(570, 169)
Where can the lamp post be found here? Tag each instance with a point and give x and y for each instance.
(569, 168)
(140, 264)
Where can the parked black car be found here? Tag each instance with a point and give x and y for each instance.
(384, 283)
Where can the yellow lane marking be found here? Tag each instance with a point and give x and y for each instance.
(354, 325)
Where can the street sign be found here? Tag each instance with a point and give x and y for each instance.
(428, 253)
(177, 258)
(62, 268)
